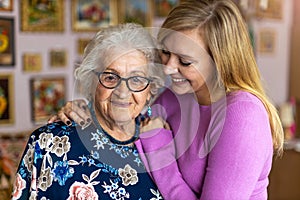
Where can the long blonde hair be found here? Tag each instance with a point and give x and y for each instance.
(223, 28)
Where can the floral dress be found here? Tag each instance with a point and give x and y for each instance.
(65, 162)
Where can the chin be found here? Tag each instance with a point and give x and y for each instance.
(181, 90)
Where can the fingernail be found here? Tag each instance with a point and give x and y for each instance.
(81, 123)
(68, 123)
(88, 120)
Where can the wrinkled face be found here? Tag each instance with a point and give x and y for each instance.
(120, 105)
(186, 60)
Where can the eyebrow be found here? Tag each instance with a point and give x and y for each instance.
(118, 73)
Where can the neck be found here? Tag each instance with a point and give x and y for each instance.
(207, 96)
(121, 131)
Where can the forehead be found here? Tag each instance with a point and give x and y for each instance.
(128, 61)
(189, 43)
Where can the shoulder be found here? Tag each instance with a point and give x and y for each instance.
(244, 101)
(55, 129)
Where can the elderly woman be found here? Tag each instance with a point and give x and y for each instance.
(119, 78)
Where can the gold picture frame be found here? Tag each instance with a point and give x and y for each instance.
(48, 95)
(6, 99)
(6, 5)
(42, 17)
(81, 44)
(137, 11)
(58, 58)
(92, 15)
(32, 62)
(7, 41)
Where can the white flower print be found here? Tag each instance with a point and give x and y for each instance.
(45, 139)
(46, 179)
(128, 175)
(29, 158)
(61, 145)
(114, 191)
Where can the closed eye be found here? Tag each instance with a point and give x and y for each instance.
(184, 63)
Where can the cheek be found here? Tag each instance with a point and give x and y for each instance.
(102, 94)
(141, 98)
(164, 59)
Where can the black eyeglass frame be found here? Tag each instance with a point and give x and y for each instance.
(123, 79)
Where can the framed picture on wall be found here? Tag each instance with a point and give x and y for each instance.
(81, 44)
(58, 58)
(92, 15)
(266, 41)
(6, 5)
(32, 62)
(7, 46)
(6, 99)
(48, 95)
(42, 16)
(137, 11)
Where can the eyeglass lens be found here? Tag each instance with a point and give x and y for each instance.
(134, 83)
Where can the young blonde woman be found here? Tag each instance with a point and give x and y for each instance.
(226, 130)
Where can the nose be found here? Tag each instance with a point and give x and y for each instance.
(171, 66)
(122, 90)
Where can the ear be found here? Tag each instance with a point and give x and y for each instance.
(149, 96)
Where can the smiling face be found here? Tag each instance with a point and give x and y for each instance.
(120, 105)
(186, 60)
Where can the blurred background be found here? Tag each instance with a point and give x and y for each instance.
(42, 41)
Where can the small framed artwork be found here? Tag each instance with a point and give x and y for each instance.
(58, 58)
(92, 15)
(6, 5)
(32, 62)
(81, 44)
(6, 99)
(267, 41)
(271, 9)
(7, 46)
(42, 16)
(48, 95)
(137, 11)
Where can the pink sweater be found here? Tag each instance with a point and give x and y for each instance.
(223, 151)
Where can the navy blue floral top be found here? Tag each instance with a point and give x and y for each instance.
(65, 162)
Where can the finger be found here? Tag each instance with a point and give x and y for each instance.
(64, 118)
(52, 119)
(167, 126)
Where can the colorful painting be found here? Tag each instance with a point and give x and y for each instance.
(7, 48)
(137, 11)
(6, 99)
(42, 16)
(92, 15)
(48, 96)
(163, 7)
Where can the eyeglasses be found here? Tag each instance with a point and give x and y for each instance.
(111, 80)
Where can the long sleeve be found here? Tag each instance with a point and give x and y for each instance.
(157, 151)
